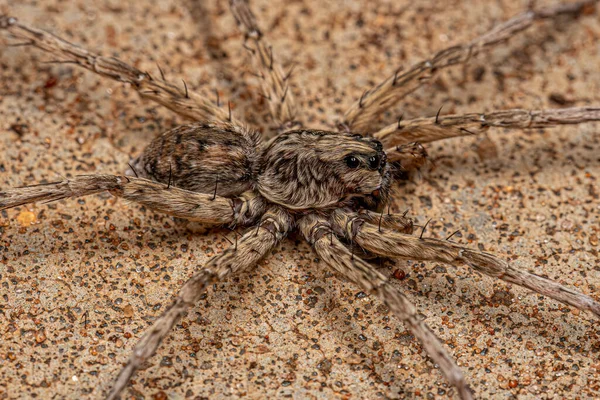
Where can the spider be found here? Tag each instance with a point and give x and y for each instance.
(330, 186)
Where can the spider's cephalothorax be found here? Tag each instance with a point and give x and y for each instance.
(310, 169)
(324, 184)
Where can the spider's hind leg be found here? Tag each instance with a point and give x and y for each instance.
(178, 98)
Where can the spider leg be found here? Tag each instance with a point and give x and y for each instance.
(359, 116)
(317, 231)
(252, 246)
(399, 222)
(394, 244)
(424, 130)
(275, 83)
(205, 208)
(177, 98)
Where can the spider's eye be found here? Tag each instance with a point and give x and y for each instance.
(374, 162)
(352, 162)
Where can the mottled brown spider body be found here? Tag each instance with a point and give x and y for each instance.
(299, 170)
(326, 185)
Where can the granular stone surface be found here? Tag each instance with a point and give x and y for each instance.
(82, 279)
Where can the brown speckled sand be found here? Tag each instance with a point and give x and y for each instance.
(81, 280)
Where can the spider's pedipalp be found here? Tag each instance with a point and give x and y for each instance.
(176, 98)
(394, 244)
(250, 248)
(317, 231)
(274, 82)
(424, 130)
(359, 116)
(156, 196)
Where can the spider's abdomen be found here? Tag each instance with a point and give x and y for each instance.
(201, 157)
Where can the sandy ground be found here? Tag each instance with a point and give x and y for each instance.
(82, 279)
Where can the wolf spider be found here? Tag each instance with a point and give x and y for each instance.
(331, 186)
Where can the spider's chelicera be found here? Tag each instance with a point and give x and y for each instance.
(331, 186)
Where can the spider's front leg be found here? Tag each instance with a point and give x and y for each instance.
(252, 246)
(318, 232)
(359, 117)
(177, 98)
(395, 244)
(397, 136)
(275, 83)
(205, 208)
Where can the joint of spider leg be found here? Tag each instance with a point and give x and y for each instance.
(530, 119)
